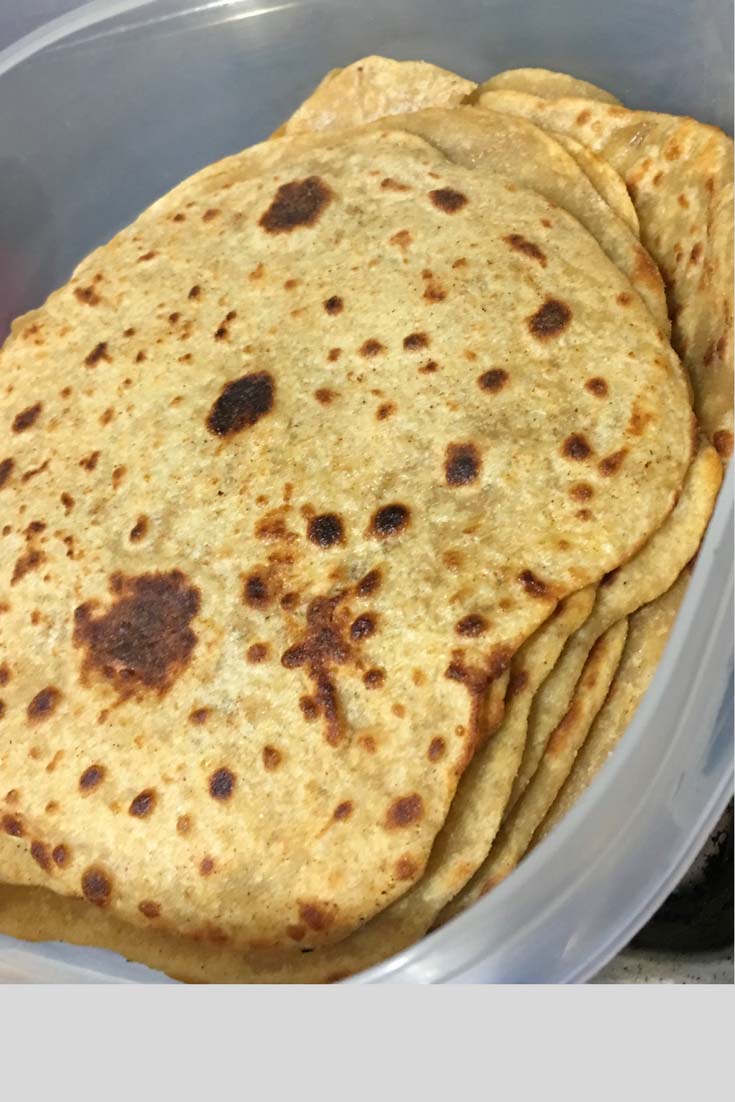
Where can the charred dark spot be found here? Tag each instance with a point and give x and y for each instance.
(326, 530)
(471, 625)
(389, 520)
(29, 560)
(550, 319)
(581, 491)
(462, 464)
(143, 804)
(429, 367)
(415, 341)
(27, 417)
(87, 295)
(221, 784)
(221, 334)
(597, 386)
(363, 627)
(576, 447)
(521, 245)
(241, 404)
(334, 305)
(299, 203)
(533, 585)
(343, 810)
(199, 716)
(96, 886)
(41, 855)
(609, 578)
(6, 469)
(371, 348)
(139, 529)
(43, 704)
(612, 463)
(384, 411)
(195, 291)
(61, 856)
(493, 380)
(92, 776)
(309, 708)
(334, 354)
(12, 825)
(174, 317)
(149, 908)
(257, 653)
(89, 462)
(271, 757)
(447, 199)
(374, 678)
(317, 916)
(144, 640)
(437, 748)
(98, 353)
(368, 584)
(404, 811)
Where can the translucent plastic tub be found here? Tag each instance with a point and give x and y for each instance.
(107, 108)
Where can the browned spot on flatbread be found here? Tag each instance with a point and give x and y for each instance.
(6, 469)
(144, 640)
(448, 200)
(527, 248)
(222, 784)
(317, 915)
(534, 586)
(96, 886)
(723, 442)
(143, 804)
(402, 239)
(560, 733)
(334, 305)
(597, 386)
(43, 704)
(612, 463)
(12, 825)
(25, 563)
(471, 625)
(326, 530)
(87, 295)
(462, 464)
(321, 647)
(414, 342)
(389, 184)
(404, 811)
(296, 204)
(241, 404)
(150, 908)
(576, 447)
(389, 520)
(551, 318)
(493, 380)
(27, 417)
(98, 354)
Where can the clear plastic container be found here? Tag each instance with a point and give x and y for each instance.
(105, 109)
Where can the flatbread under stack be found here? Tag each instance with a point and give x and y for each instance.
(472, 159)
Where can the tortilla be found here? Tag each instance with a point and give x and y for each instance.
(460, 846)
(371, 88)
(518, 829)
(252, 561)
(643, 579)
(649, 630)
(679, 173)
(547, 84)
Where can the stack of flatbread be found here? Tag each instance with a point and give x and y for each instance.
(348, 498)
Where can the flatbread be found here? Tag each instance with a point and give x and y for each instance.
(547, 84)
(462, 844)
(645, 578)
(518, 829)
(215, 580)
(679, 173)
(648, 633)
(371, 88)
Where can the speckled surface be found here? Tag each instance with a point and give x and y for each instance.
(636, 966)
